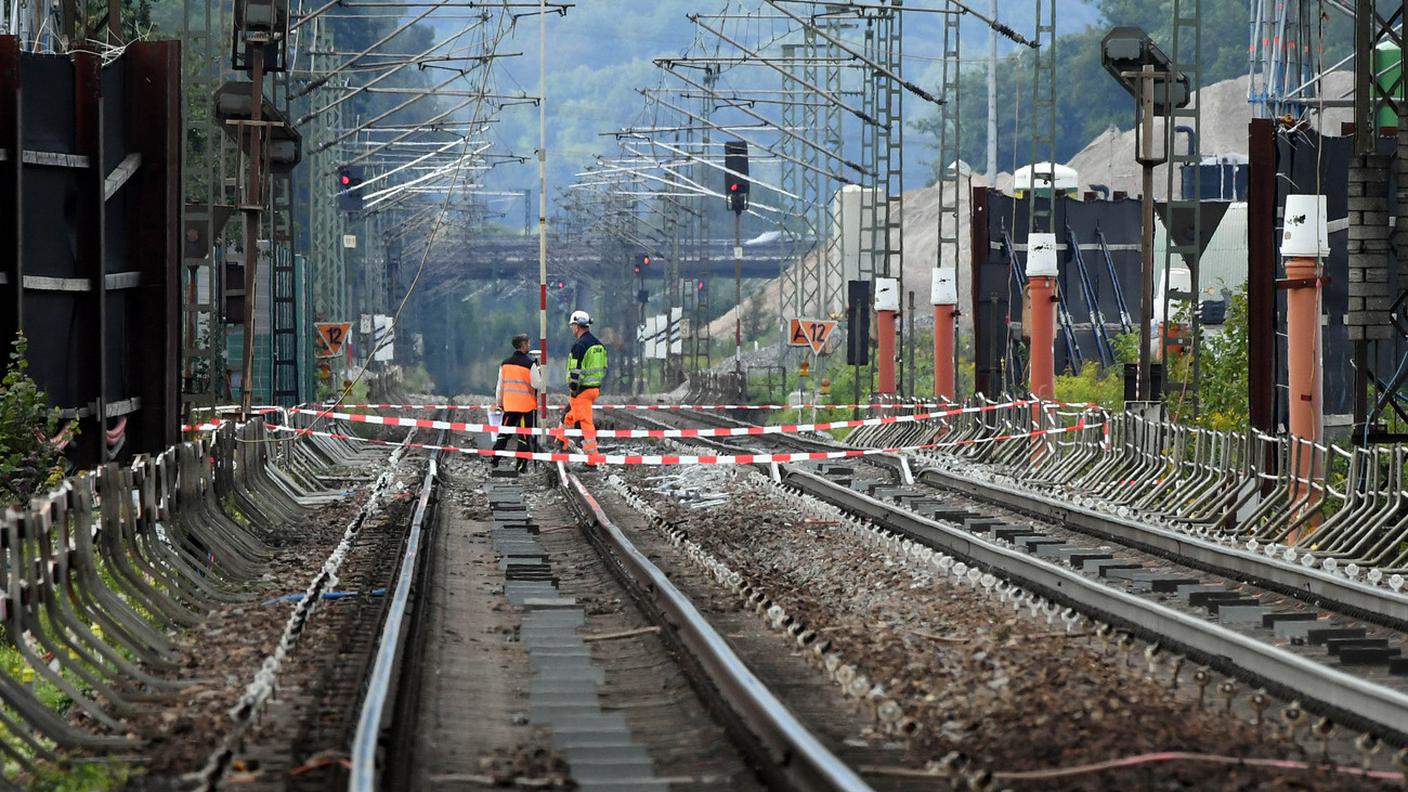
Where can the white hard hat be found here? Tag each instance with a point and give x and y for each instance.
(580, 318)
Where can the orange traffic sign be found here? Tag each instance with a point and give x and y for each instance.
(809, 333)
(331, 337)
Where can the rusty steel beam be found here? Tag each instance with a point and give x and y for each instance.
(154, 127)
(92, 250)
(1261, 275)
(978, 255)
(11, 183)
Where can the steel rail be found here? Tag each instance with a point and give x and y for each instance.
(1325, 591)
(262, 686)
(797, 755)
(1347, 699)
(385, 667)
(1330, 592)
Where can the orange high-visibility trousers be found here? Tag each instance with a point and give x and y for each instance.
(579, 415)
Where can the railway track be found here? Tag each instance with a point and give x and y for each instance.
(386, 749)
(296, 740)
(1301, 644)
(783, 750)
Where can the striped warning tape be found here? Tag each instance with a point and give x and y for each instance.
(638, 434)
(715, 407)
(209, 425)
(702, 407)
(694, 459)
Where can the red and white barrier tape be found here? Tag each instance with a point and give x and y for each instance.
(636, 434)
(692, 459)
(209, 425)
(915, 405)
(707, 407)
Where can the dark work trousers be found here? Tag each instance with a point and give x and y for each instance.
(525, 442)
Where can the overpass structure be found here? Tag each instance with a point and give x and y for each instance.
(507, 257)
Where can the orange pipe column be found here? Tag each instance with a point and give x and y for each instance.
(1305, 241)
(1041, 297)
(944, 379)
(887, 308)
(944, 295)
(885, 341)
(1041, 294)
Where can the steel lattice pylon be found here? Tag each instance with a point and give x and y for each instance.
(812, 286)
(325, 254)
(1041, 215)
(1280, 62)
(1182, 219)
(882, 141)
(204, 168)
(791, 298)
(950, 176)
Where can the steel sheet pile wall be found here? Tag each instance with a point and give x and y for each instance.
(1312, 164)
(89, 229)
(996, 301)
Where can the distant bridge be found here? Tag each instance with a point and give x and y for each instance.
(504, 257)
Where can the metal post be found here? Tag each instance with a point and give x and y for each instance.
(909, 356)
(738, 295)
(253, 202)
(1147, 159)
(543, 201)
(992, 96)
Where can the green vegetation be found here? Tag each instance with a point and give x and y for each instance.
(77, 775)
(1092, 386)
(1082, 81)
(416, 379)
(1223, 378)
(30, 433)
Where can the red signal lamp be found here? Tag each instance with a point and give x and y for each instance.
(700, 285)
(345, 179)
(637, 269)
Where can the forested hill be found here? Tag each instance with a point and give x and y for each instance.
(1088, 99)
(600, 53)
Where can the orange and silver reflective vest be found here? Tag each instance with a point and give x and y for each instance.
(516, 374)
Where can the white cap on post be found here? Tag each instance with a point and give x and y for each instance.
(1041, 255)
(943, 289)
(1307, 233)
(887, 294)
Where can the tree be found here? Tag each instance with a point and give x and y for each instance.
(1082, 82)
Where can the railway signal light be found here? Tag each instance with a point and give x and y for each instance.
(736, 175)
(349, 194)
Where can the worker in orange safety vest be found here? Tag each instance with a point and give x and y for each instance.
(516, 395)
